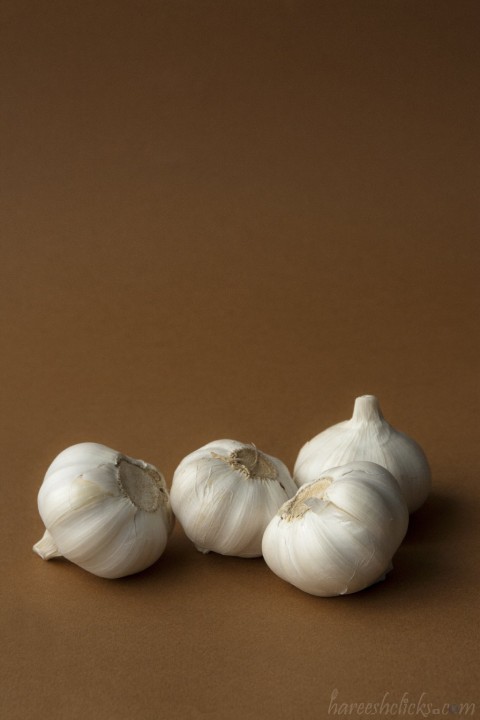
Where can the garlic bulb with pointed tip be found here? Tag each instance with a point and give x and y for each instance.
(104, 511)
(338, 534)
(224, 495)
(368, 436)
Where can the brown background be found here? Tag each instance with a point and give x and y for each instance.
(227, 218)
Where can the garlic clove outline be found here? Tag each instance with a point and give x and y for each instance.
(338, 534)
(106, 512)
(225, 493)
(368, 436)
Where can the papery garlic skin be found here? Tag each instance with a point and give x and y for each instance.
(225, 493)
(339, 533)
(368, 436)
(104, 511)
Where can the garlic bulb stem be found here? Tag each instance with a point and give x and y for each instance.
(367, 409)
(46, 547)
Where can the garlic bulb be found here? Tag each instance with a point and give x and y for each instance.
(104, 511)
(368, 436)
(224, 495)
(339, 533)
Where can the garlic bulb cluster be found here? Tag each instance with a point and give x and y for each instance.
(104, 511)
(224, 495)
(368, 436)
(339, 533)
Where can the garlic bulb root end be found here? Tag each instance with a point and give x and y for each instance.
(141, 483)
(298, 505)
(144, 486)
(46, 547)
(250, 462)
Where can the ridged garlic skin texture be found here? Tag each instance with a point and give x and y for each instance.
(339, 533)
(368, 436)
(106, 512)
(225, 493)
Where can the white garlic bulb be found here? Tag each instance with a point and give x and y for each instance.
(368, 436)
(104, 511)
(224, 495)
(339, 533)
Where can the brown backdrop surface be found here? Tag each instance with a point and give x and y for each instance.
(228, 219)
